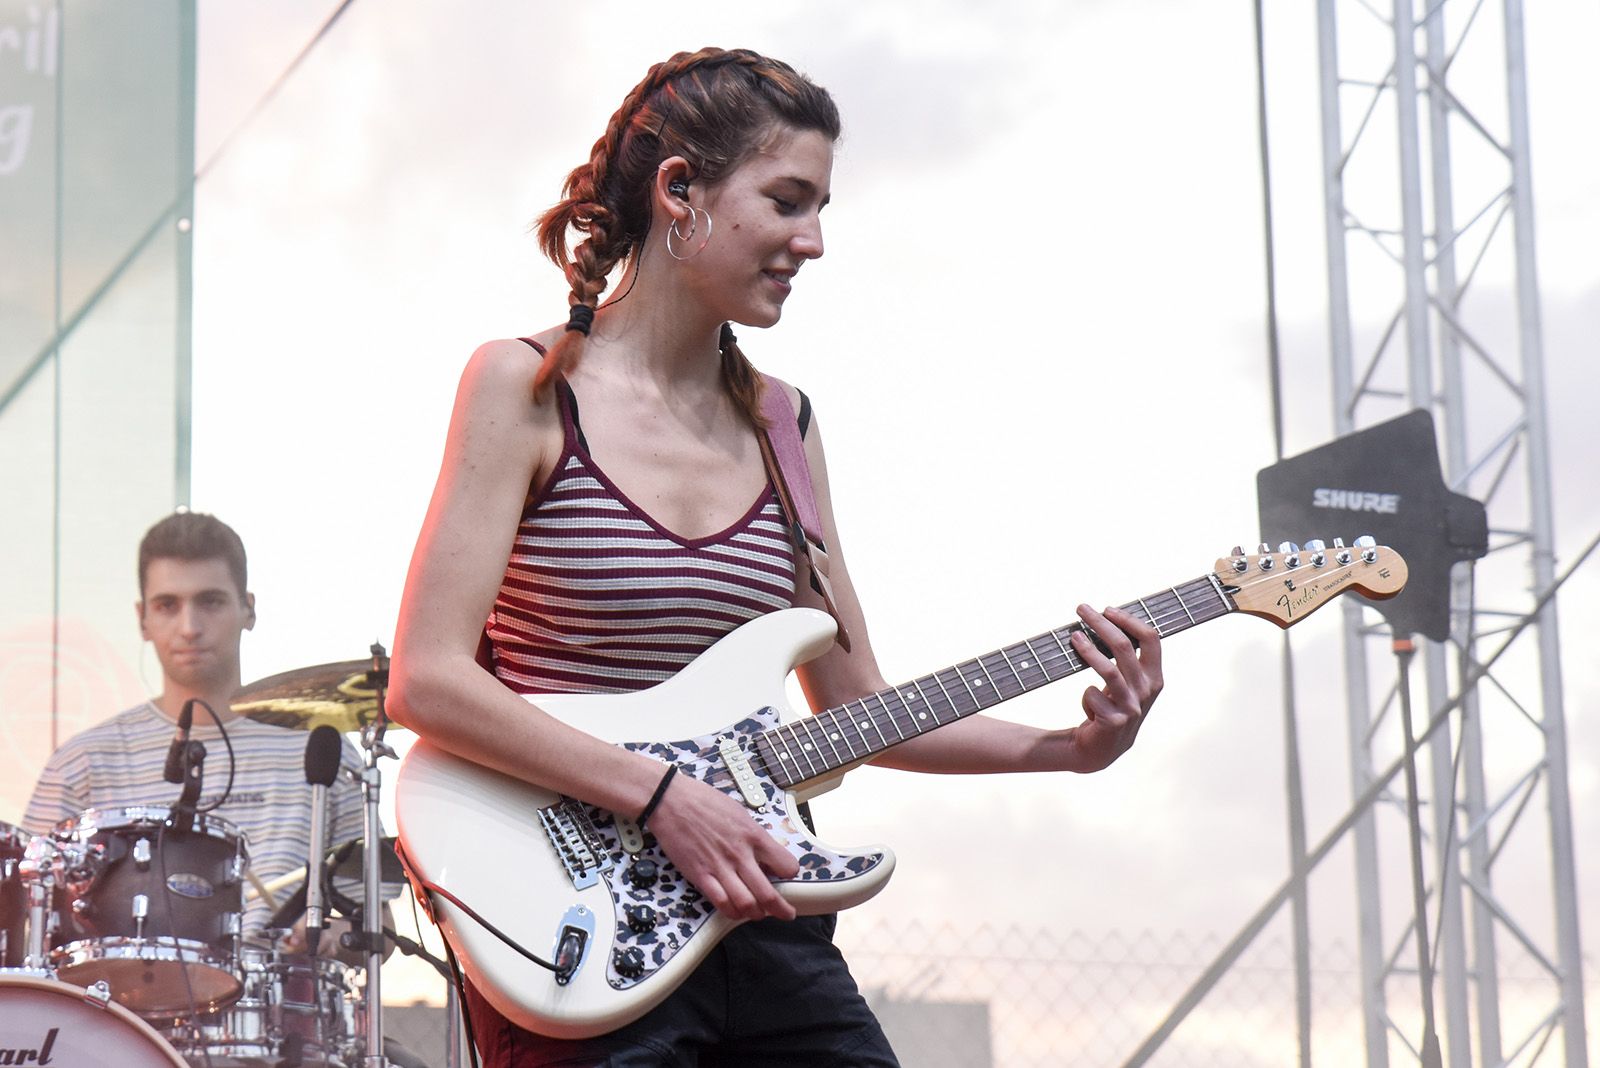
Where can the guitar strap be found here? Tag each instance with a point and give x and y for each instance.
(785, 457)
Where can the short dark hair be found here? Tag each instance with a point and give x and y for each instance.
(193, 536)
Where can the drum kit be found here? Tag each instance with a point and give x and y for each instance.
(120, 930)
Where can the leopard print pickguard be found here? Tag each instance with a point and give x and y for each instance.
(680, 909)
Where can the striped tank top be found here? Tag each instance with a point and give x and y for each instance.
(598, 597)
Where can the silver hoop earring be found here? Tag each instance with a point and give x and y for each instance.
(694, 227)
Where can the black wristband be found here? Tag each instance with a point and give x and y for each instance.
(655, 798)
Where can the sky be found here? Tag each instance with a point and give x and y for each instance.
(1036, 344)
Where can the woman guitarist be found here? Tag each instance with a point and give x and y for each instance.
(641, 525)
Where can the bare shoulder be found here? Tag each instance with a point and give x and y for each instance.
(500, 364)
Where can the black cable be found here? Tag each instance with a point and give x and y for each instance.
(233, 762)
(272, 90)
(461, 999)
(177, 945)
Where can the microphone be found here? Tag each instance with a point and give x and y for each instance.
(174, 770)
(322, 768)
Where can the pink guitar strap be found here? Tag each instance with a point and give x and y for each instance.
(785, 456)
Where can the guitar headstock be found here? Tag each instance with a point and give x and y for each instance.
(1290, 584)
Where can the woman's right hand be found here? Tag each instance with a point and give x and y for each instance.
(728, 856)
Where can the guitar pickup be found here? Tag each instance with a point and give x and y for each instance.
(576, 841)
(737, 761)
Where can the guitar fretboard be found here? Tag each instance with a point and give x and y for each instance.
(814, 746)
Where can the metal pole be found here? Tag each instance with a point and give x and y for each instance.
(1531, 343)
(1358, 713)
(1454, 432)
(1419, 367)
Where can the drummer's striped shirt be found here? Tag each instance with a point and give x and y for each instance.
(118, 764)
(599, 597)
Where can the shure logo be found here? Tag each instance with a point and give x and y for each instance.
(1355, 500)
(18, 1055)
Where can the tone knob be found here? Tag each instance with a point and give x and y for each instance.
(641, 918)
(643, 874)
(629, 962)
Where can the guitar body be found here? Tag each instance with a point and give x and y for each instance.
(542, 868)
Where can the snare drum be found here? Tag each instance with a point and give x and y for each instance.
(152, 910)
(43, 1021)
(296, 1006)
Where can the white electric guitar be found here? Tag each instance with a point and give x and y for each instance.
(572, 922)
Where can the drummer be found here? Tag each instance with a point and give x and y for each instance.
(193, 608)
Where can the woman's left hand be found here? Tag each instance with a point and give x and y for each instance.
(1131, 678)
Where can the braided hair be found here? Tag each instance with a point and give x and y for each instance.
(714, 107)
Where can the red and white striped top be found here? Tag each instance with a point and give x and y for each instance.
(598, 597)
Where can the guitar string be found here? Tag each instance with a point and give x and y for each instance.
(1171, 610)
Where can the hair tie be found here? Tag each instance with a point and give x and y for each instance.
(727, 339)
(580, 318)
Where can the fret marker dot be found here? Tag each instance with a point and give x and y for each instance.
(807, 747)
(783, 756)
(911, 696)
(834, 737)
(1026, 664)
(977, 682)
(862, 725)
(922, 715)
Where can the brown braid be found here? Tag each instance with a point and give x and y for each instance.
(713, 107)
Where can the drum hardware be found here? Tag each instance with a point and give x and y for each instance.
(141, 910)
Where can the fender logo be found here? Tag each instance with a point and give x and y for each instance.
(1306, 599)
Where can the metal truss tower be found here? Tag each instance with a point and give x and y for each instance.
(1430, 244)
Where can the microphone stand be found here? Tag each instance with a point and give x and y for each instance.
(373, 747)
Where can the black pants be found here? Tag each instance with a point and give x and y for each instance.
(773, 994)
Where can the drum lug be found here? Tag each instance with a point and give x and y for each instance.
(97, 994)
(141, 911)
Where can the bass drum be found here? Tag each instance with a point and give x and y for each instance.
(43, 1021)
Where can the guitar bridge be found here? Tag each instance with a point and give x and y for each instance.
(577, 843)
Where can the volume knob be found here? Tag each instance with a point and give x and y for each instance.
(643, 874)
(629, 962)
(641, 918)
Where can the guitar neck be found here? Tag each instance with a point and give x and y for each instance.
(813, 747)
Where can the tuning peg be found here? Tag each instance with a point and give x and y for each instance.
(1369, 548)
(1239, 562)
(1291, 554)
(1315, 547)
(1266, 556)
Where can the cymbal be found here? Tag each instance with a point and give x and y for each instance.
(341, 695)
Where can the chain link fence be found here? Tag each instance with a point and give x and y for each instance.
(1014, 997)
